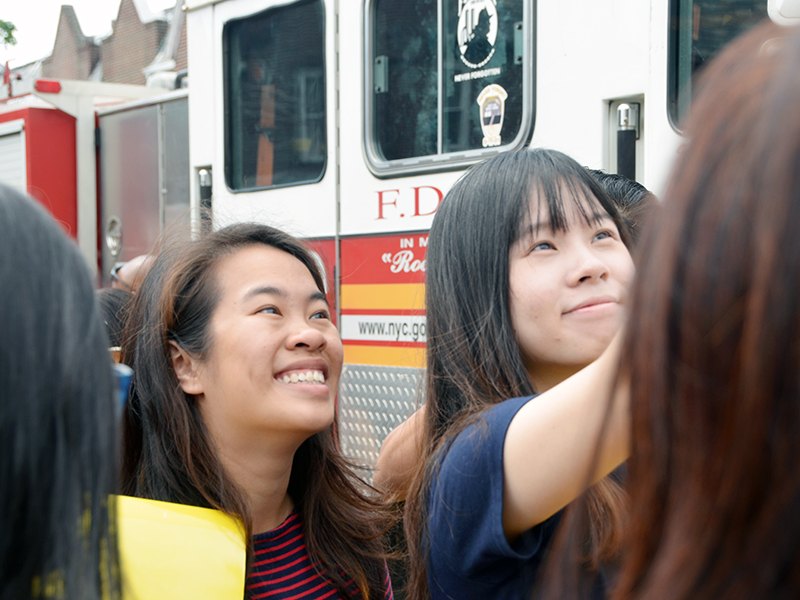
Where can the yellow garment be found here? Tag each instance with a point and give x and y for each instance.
(171, 551)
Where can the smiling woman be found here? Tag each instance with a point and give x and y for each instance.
(236, 368)
(272, 340)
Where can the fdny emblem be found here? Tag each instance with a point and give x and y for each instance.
(492, 102)
(477, 31)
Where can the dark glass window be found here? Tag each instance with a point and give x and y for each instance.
(447, 76)
(406, 119)
(275, 97)
(698, 31)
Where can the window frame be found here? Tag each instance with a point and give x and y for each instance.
(449, 161)
(227, 132)
(673, 28)
(673, 52)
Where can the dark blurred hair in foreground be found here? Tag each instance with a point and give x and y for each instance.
(713, 349)
(57, 416)
(713, 346)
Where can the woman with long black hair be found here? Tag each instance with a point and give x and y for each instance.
(236, 367)
(527, 278)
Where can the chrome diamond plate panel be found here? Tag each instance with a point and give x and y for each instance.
(373, 401)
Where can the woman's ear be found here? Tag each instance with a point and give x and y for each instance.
(185, 369)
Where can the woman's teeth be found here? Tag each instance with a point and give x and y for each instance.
(307, 377)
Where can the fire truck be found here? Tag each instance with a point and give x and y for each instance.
(109, 161)
(345, 122)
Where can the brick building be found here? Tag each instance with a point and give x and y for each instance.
(142, 45)
(74, 55)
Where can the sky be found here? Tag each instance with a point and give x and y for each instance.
(37, 21)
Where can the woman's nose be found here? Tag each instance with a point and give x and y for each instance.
(588, 267)
(304, 335)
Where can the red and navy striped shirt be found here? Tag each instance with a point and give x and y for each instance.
(282, 569)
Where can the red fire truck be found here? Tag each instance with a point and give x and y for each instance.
(109, 161)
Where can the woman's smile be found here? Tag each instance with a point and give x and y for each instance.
(302, 377)
(275, 357)
(309, 374)
(594, 305)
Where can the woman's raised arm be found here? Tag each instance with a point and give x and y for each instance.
(552, 443)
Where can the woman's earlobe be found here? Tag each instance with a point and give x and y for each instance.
(185, 369)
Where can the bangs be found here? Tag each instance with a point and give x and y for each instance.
(564, 196)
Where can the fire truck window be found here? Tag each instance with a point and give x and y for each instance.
(275, 97)
(446, 78)
(405, 37)
(698, 31)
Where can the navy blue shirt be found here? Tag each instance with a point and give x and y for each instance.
(469, 555)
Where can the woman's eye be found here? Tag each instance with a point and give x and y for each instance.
(542, 246)
(321, 314)
(602, 235)
(270, 310)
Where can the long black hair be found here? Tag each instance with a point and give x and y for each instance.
(473, 359)
(634, 201)
(57, 416)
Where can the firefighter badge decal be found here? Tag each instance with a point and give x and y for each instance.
(492, 103)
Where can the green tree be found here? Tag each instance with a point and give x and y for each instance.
(7, 29)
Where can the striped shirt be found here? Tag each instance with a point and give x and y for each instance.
(282, 568)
